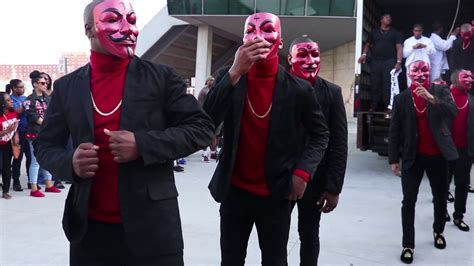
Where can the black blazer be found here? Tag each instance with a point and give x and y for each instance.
(295, 109)
(470, 127)
(403, 132)
(460, 58)
(330, 174)
(168, 124)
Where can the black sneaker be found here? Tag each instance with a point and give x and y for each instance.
(407, 255)
(178, 168)
(470, 189)
(447, 217)
(17, 187)
(59, 185)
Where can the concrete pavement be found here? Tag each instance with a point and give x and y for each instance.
(365, 229)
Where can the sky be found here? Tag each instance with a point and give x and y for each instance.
(38, 31)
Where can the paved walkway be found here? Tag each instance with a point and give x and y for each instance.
(365, 229)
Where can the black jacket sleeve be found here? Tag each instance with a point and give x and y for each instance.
(336, 154)
(444, 102)
(32, 115)
(190, 129)
(395, 133)
(219, 99)
(50, 146)
(318, 134)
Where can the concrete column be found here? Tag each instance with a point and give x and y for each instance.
(203, 57)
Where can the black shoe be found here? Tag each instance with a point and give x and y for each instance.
(470, 189)
(407, 255)
(439, 241)
(461, 225)
(59, 185)
(178, 168)
(450, 197)
(17, 187)
(447, 217)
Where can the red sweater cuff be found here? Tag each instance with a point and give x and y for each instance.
(301, 173)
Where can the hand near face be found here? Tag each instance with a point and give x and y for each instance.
(425, 94)
(85, 161)
(329, 202)
(247, 54)
(299, 187)
(122, 145)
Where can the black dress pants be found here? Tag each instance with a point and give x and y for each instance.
(461, 171)
(104, 244)
(436, 168)
(380, 79)
(6, 155)
(25, 149)
(271, 216)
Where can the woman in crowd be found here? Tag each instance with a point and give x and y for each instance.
(17, 88)
(8, 133)
(35, 108)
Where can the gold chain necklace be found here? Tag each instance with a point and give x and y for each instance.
(460, 108)
(416, 107)
(102, 113)
(255, 113)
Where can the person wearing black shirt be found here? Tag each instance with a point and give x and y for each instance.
(386, 54)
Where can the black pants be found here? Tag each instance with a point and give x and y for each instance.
(436, 168)
(461, 171)
(104, 245)
(25, 149)
(6, 155)
(381, 82)
(239, 212)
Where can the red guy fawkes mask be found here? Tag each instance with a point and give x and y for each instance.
(419, 72)
(465, 79)
(466, 36)
(265, 26)
(115, 25)
(305, 60)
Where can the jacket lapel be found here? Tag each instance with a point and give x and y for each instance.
(277, 103)
(84, 91)
(239, 98)
(411, 112)
(131, 87)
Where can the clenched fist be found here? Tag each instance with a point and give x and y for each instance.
(123, 146)
(85, 161)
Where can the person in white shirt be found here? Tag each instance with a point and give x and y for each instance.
(438, 59)
(417, 47)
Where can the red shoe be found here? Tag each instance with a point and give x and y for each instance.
(36, 194)
(52, 189)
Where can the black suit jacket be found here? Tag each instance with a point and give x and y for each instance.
(167, 124)
(330, 174)
(470, 127)
(403, 132)
(460, 58)
(295, 109)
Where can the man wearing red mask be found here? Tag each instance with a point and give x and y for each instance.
(462, 53)
(322, 193)
(262, 166)
(420, 133)
(463, 136)
(128, 119)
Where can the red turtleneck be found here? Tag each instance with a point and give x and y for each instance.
(426, 143)
(249, 169)
(107, 83)
(459, 125)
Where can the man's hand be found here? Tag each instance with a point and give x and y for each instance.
(299, 186)
(329, 202)
(247, 54)
(122, 145)
(398, 66)
(363, 59)
(455, 32)
(419, 46)
(420, 91)
(396, 169)
(85, 161)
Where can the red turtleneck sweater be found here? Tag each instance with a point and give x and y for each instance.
(426, 143)
(249, 169)
(459, 125)
(107, 83)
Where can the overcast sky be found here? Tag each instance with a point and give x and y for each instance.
(38, 31)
